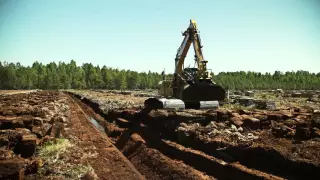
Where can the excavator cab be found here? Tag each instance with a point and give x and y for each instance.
(192, 74)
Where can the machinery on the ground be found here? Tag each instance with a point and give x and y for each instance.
(190, 88)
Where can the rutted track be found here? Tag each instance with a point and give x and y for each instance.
(154, 149)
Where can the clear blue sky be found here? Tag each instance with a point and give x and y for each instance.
(141, 35)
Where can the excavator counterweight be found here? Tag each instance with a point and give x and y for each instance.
(190, 87)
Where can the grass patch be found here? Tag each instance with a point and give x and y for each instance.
(57, 156)
(77, 171)
(52, 149)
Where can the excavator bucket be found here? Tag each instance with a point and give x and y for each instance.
(203, 92)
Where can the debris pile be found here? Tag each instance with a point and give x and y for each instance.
(245, 125)
(213, 130)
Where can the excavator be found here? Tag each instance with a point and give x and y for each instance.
(190, 88)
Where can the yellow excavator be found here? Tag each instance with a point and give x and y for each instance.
(190, 88)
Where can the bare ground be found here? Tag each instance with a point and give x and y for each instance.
(102, 135)
(265, 144)
(30, 121)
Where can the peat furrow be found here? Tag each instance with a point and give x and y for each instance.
(260, 158)
(153, 164)
(265, 159)
(199, 160)
(153, 142)
(150, 162)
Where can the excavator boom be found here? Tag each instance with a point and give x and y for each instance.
(191, 36)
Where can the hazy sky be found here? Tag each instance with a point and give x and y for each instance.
(257, 35)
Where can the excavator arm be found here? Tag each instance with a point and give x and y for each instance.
(182, 51)
(191, 36)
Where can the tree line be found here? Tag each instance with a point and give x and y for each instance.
(293, 80)
(70, 75)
